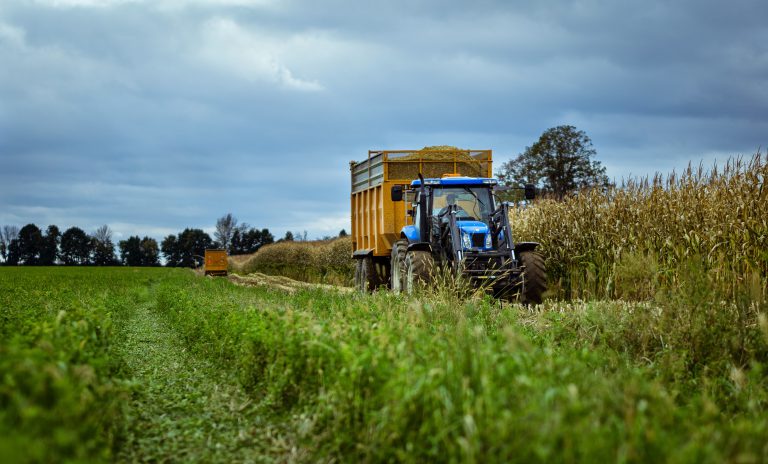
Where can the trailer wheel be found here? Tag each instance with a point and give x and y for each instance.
(397, 267)
(419, 267)
(534, 277)
(365, 275)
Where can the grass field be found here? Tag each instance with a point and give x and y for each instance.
(123, 364)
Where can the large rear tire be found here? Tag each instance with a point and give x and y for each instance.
(366, 278)
(397, 265)
(419, 267)
(534, 278)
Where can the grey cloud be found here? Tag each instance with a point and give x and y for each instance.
(161, 115)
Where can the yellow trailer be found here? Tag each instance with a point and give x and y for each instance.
(216, 262)
(376, 219)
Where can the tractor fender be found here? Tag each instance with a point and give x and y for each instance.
(362, 253)
(525, 246)
(411, 233)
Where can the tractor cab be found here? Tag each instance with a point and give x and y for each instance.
(466, 201)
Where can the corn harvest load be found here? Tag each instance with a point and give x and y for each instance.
(438, 160)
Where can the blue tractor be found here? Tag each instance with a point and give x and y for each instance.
(458, 226)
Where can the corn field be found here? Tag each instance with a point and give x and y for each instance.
(630, 240)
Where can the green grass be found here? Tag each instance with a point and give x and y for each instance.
(185, 408)
(326, 376)
(60, 387)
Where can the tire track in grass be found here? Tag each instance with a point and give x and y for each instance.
(186, 409)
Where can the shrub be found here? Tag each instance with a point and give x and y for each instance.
(325, 261)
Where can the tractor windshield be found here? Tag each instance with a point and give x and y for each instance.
(474, 202)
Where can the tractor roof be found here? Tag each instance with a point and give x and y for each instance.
(457, 181)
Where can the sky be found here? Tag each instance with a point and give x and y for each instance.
(151, 116)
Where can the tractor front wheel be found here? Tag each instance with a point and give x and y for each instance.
(534, 277)
(419, 266)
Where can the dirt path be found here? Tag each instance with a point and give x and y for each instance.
(280, 282)
(186, 409)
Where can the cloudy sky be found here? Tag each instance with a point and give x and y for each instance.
(155, 115)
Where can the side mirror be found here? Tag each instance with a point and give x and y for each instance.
(530, 191)
(397, 193)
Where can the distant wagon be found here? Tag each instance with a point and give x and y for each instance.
(216, 262)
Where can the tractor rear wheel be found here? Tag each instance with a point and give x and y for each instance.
(397, 265)
(419, 266)
(534, 277)
(366, 278)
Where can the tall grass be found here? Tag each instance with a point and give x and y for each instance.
(324, 261)
(61, 397)
(390, 378)
(382, 378)
(633, 240)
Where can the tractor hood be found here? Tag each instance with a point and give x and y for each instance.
(472, 227)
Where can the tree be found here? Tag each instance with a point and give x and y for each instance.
(559, 162)
(171, 252)
(236, 246)
(130, 251)
(343, 233)
(76, 247)
(288, 236)
(103, 250)
(150, 253)
(250, 241)
(226, 226)
(135, 251)
(186, 250)
(193, 243)
(13, 253)
(50, 251)
(30, 245)
(7, 235)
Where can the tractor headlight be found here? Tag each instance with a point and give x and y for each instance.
(488, 242)
(465, 241)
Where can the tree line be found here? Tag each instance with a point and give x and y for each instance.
(32, 246)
